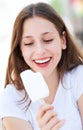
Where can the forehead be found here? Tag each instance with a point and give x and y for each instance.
(38, 24)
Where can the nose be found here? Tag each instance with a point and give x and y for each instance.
(40, 48)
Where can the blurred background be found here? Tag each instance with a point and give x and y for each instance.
(70, 10)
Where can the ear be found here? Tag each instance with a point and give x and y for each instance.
(63, 38)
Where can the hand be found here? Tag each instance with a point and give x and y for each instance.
(47, 118)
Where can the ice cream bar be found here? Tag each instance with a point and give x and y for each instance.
(34, 84)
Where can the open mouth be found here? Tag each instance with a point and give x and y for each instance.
(43, 62)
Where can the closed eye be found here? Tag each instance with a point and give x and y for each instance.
(47, 41)
(28, 44)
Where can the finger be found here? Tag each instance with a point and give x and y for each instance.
(42, 109)
(52, 122)
(46, 118)
(58, 125)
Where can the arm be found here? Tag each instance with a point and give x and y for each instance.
(12, 123)
(80, 105)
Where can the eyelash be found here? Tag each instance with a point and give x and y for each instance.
(28, 44)
(46, 41)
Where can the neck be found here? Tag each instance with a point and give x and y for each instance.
(52, 82)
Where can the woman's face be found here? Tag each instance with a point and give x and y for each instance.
(41, 45)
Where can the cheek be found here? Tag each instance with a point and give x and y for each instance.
(27, 59)
(26, 55)
(58, 55)
(57, 51)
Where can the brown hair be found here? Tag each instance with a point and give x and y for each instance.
(16, 64)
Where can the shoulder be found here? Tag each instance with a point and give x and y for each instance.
(74, 79)
(77, 70)
(75, 73)
(9, 102)
(11, 93)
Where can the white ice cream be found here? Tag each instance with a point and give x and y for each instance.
(34, 84)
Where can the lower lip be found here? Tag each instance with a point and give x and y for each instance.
(43, 64)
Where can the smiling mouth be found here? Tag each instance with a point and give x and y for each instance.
(44, 62)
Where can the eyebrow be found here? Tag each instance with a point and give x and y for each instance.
(42, 34)
(47, 33)
(26, 36)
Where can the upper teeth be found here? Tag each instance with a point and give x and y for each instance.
(42, 61)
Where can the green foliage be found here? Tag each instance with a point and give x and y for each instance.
(58, 5)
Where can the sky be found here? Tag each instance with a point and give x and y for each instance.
(8, 12)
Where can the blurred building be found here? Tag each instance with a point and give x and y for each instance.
(76, 11)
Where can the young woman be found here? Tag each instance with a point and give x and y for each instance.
(41, 42)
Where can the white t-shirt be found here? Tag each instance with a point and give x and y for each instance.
(65, 102)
